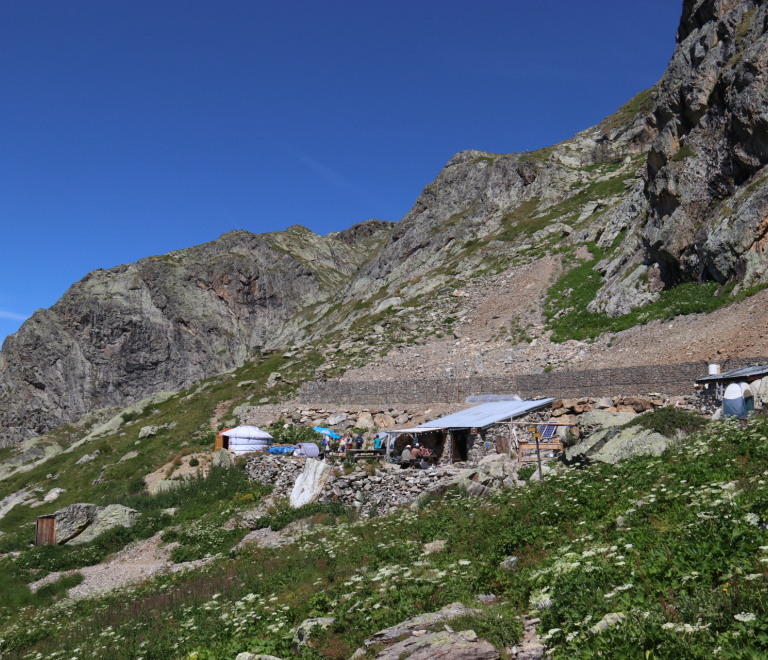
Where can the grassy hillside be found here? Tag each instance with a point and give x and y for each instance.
(186, 416)
(671, 550)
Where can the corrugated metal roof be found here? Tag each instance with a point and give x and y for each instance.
(744, 372)
(486, 414)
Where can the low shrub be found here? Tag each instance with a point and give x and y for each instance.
(526, 472)
(669, 420)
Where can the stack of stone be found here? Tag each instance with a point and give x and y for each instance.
(274, 470)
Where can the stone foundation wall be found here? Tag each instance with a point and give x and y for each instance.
(670, 379)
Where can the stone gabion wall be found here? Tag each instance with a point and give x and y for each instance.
(671, 379)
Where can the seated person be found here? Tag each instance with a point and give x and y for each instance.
(415, 456)
(405, 456)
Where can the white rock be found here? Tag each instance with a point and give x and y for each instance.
(53, 494)
(310, 483)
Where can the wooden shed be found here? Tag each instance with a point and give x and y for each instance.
(45, 531)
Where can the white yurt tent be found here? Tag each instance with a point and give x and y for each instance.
(246, 439)
(733, 401)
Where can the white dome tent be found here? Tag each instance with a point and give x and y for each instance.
(749, 399)
(733, 402)
(246, 439)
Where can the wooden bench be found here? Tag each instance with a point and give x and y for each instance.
(356, 454)
(527, 451)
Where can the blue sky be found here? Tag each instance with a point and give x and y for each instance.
(136, 128)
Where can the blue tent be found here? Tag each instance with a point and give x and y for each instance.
(733, 402)
(327, 432)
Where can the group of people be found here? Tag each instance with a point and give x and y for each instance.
(412, 456)
(348, 442)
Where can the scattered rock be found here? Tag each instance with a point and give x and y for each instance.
(434, 546)
(148, 432)
(114, 515)
(419, 622)
(53, 494)
(608, 620)
(463, 645)
(223, 459)
(304, 631)
(87, 458)
(532, 651)
(72, 521)
(129, 456)
(509, 564)
(365, 421)
(164, 485)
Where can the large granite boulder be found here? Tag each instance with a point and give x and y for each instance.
(114, 515)
(613, 445)
(310, 483)
(419, 622)
(594, 420)
(82, 522)
(72, 521)
(444, 645)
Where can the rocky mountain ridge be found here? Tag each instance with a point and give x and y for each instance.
(671, 188)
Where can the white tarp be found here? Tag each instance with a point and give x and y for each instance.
(308, 449)
(247, 439)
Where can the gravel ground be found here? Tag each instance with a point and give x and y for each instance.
(135, 563)
(740, 330)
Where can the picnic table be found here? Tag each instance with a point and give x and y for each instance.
(356, 454)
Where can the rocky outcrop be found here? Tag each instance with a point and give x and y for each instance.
(82, 523)
(310, 483)
(614, 444)
(705, 192)
(464, 645)
(420, 622)
(166, 322)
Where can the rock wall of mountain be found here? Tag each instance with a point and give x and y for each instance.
(166, 322)
(695, 209)
(706, 190)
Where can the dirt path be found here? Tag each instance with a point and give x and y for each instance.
(135, 563)
(221, 408)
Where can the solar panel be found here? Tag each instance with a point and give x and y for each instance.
(547, 431)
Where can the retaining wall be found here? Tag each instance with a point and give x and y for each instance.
(671, 379)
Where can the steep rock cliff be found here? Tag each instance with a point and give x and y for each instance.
(166, 322)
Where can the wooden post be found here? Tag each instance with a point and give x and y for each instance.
(536, 435)
(538, 454)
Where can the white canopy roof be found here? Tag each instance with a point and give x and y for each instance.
(247, 433)
(482, 416)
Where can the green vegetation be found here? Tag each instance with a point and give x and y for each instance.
(640, 103)
(668, 552)
(576, 288)
(526, 472)
(187, 417)
(668, 421)
(684, 152)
